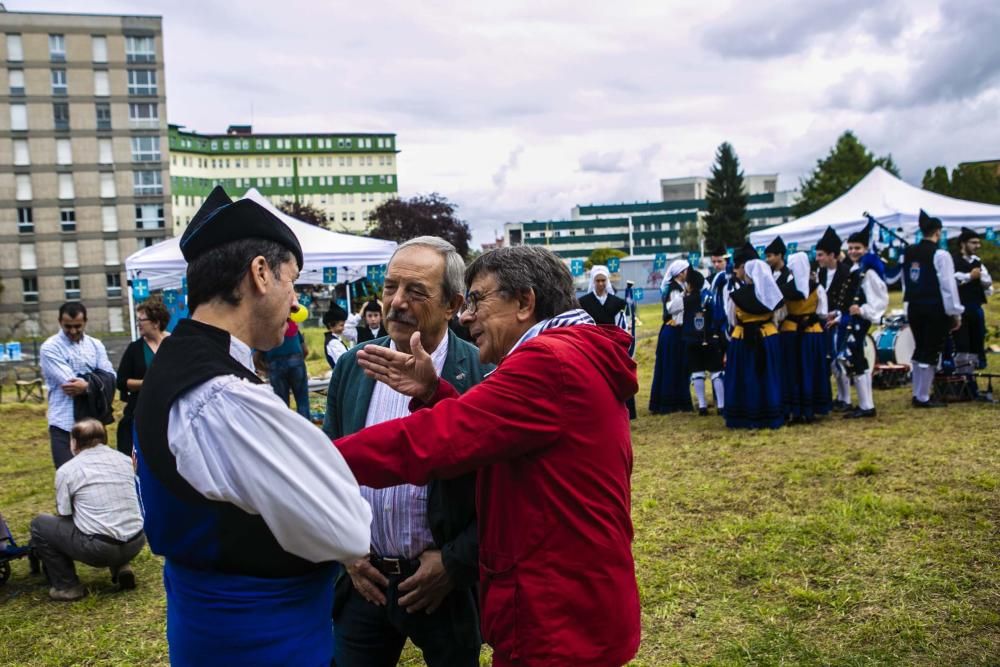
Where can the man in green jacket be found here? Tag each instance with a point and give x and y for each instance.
(419, 581)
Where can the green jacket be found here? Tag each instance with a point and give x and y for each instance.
(451, 503)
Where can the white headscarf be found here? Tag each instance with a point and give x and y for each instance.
(600, 270)
(673, 271)
(798, 264)
(764, 287)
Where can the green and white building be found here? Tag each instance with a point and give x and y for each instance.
(649, 228)
(344, 175)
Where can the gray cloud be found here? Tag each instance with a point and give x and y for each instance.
(500, 177)
(603, 163)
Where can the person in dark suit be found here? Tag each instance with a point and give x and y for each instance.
(152, 317)
(600, 301)
(419, 580)
(371, 327)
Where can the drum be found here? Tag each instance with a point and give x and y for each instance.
(895, 345)
(870, 352)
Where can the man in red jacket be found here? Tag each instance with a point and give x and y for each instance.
(548, 432)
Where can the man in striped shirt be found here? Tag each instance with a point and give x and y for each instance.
(65, 358)
(418, 582)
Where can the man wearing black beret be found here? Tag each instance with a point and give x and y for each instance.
(974, 286)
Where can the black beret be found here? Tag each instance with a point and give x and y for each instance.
(372, 307)
(830, 242)
(220, 220)
(928, 225)
(745, 254)
(967, 235)
(335, 314)
(776, 247)
(862, 237)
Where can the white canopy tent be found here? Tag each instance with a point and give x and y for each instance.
(164, 266)
(893, 202)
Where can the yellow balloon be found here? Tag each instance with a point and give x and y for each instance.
(300, 315)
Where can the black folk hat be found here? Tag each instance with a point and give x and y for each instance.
(967, 235)
(928, 225)
(745, 254)
(776, 247)
(829, 242)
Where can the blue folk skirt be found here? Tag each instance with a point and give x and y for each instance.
(753, 388)
(671, 390)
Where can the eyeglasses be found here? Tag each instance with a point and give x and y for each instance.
(142, 319)
(473, 299)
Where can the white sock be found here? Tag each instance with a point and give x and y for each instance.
(863, 384)
(923, 377)
(843, 386)
(699, 389)
(718, 388)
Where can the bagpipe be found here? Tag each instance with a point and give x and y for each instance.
(853, 329)
(626, 318)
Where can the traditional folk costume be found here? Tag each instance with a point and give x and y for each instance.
(753, 363)
(247, 501)
(869, 292)
(803, 344)
(670, 391)
(786, 338)
(721, 284)
(836, 282)
(931, 299)
(606, 308)
(970, 339)
(702, 348)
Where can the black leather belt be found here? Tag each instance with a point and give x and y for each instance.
(117, 543)
(394, 567)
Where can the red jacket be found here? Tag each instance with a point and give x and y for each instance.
(549, 433)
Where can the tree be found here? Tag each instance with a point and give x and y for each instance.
(599, 256)
(973, 182)
(690, 237)
(303, 212)
(726, 221)
(846, 164)
(423, 215)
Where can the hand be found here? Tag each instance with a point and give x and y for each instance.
(976, 273)
(368, 581)
(831, 319)
(409, 374)
(855, 310)
(74, 387)
(427, 587)
(956, 323)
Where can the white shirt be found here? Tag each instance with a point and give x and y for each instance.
(335, 348)
(236, 442)
(876, 295)
(351, 328)
(97, 487)
(63, 360)
(675, 306)
(984, 276)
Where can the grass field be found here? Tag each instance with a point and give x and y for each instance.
(876, 544)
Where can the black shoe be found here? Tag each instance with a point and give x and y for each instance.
(983, 398)
(841, 406)
(702, 412)
(927, 404)
(124, 577)
(860, 414)
(721, 412)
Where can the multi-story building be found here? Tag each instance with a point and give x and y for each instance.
(671, 226)
(83, 174)
(344, 175)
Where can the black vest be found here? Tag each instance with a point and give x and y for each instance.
(920, 278)
(603, 313)
(838, 294)
(180, 523)
(972, 292)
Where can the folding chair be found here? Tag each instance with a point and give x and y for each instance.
(28, 383)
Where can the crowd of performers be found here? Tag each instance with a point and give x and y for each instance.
(768, 334)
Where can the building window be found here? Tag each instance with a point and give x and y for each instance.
(25, 220)
(109, 219)
(99, 48)
(111, 253)
(105, 154)
(72, 285)
(116, 321)
(58, 81)
(114, 283)
(22, 187)
(107, 185)
(66, 186)
(145, 149)
(102, 88)
(64, 152)
(67, 219)
(149, 216)
(57, 48)
(15, 53)
(147, 183)
(143, 115)
(71, 259)
(147, 242)
(28, 261)
(142, 82)
(103, 110)
(140, 50)
(22, 157)
(60, 115)
(16, 79)
(29, 289)
(18, 117)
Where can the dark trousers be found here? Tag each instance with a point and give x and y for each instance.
(124, 441)
(59, 439)
(58, 542)
(288, 373)
(930, 332)
(367, 635)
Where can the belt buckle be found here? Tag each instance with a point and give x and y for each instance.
(392, 566)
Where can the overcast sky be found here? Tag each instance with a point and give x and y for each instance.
(520, 110)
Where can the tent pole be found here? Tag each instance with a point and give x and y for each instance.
(131, 310)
